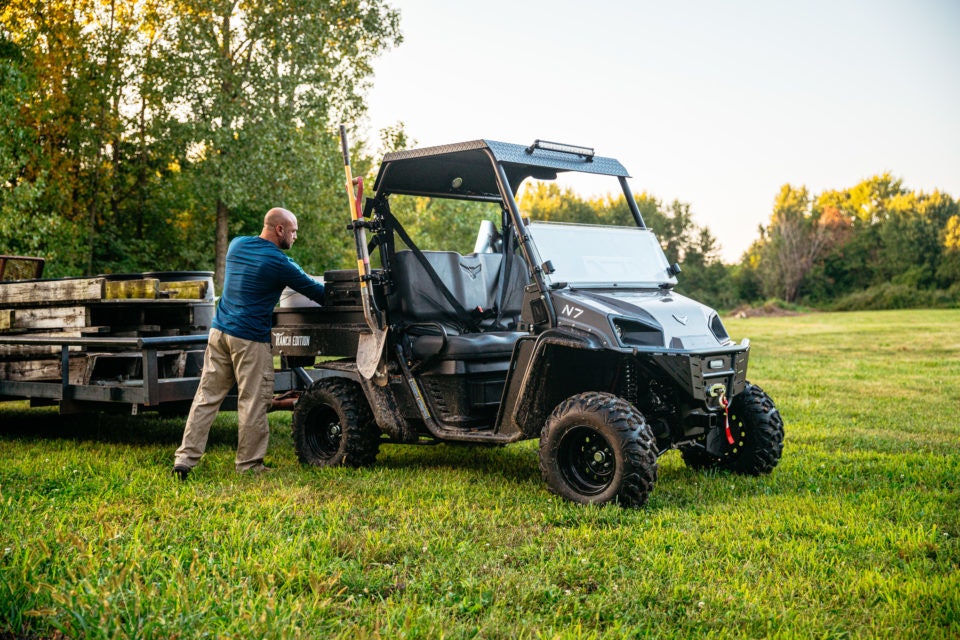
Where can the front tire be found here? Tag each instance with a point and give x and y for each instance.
(757, 429)
(333, 426)
(597, 448)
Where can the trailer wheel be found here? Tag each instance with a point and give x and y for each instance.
(332, 426)
(597, 448)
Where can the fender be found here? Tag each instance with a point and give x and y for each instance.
(521, 408)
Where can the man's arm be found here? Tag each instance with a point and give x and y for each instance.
(296, 279)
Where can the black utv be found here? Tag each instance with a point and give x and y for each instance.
(570, 333)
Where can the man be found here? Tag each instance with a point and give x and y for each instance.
(238, 349)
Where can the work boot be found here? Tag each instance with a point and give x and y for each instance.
(258, 469)
(181, 471)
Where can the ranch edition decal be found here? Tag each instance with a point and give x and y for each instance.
(284, 340)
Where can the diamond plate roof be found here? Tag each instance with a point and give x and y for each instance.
(435, 170)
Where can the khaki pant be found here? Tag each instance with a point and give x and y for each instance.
(228, 361)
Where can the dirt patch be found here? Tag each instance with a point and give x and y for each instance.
(769, 310)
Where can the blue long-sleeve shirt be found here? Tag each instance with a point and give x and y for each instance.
(257, 271)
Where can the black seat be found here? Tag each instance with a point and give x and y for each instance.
(490, 345)
(435, 328)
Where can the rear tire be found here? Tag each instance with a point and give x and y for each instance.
(332, 425)
(597, 448)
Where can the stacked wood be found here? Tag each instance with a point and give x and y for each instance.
(104, 306)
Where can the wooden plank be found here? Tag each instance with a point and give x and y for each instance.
(20, 267)
(50, 292)
(45, 369)
(20, 351)
(94, 331)
(69, 317)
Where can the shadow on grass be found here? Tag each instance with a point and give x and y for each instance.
(24, 423)
(516, 462)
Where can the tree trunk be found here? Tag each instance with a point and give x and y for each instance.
(223, 217)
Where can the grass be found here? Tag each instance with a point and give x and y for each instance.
(855, 534)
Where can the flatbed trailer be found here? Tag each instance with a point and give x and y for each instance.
(161, 373)
(154, 390)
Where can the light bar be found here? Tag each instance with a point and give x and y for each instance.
(584, 152)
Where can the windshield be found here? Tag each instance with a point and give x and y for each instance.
(601, 256)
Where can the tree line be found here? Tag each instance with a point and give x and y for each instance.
(877, 244)
(143, 136)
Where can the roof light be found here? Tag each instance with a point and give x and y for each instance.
(584, 152)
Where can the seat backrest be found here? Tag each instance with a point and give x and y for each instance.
(517, 280)
(472, 280)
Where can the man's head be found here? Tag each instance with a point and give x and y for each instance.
(280, 227)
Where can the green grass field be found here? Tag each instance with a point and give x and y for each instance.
(855, 534)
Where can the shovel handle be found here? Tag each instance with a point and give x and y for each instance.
(343, 145)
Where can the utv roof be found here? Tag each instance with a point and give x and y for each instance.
(466, 170)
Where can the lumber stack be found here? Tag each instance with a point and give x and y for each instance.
(127, 305)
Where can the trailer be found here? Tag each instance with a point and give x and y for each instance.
(134, 343)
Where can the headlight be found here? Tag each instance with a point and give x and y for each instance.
(718, 330)
(633, 333)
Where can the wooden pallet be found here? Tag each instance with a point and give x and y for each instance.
(102, 306)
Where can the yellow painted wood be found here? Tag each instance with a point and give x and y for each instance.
(185, 290)
(143, 289)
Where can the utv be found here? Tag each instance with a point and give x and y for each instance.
(570, 333)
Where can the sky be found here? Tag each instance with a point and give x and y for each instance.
(714, 104)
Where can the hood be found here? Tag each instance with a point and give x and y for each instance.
(647, 318)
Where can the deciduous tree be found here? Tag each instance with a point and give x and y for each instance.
(260, 81)
(796, 238)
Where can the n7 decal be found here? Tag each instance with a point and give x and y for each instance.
(571, 311)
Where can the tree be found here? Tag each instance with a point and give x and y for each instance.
(949, 269)
(260, 80)
(152, 123)
(796, 238)
(909, 242)
(550, 202)
(50, 133)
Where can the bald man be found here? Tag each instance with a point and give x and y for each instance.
(238, 350)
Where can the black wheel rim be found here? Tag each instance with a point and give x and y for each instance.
(587, 461)
(324, 432)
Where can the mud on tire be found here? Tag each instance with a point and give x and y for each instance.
(332, 425)
(597, 448)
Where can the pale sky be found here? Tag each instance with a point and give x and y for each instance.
(716, 104)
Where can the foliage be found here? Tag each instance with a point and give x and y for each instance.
(892, 295)
(796, 239)
(441, 223)
(141, 136)
(841, 243)
(855, 534)
(151, 131)
(704, 277)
